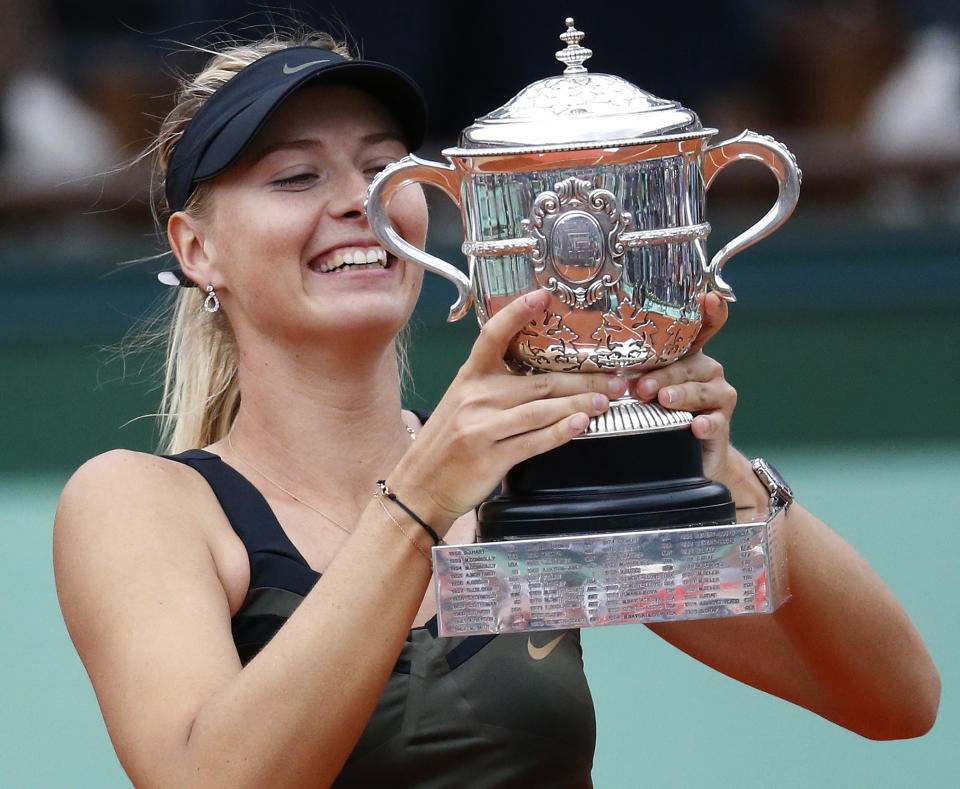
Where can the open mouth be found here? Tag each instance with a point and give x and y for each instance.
(352, 259)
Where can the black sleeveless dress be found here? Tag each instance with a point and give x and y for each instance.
(478, 711)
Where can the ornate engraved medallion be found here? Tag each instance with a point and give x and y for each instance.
(577, 233)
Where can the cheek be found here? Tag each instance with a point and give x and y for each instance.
(408, 212)
(249, 233)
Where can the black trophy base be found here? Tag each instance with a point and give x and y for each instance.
(609, 484)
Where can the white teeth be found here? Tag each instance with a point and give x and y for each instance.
(356, 256)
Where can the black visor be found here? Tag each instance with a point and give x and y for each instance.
(228, 121)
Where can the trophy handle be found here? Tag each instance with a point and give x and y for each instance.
(783, 164)
(411, 169)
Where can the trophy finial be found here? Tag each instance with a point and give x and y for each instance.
(574, 55)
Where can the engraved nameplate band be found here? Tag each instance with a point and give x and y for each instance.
(609, 579)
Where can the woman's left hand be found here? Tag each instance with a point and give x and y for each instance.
(696, 383)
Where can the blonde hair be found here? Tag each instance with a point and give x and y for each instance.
(201, 391)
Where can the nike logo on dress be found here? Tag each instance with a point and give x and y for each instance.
(294, 69)
(539, 653)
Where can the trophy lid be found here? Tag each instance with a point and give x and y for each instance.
(577, 110)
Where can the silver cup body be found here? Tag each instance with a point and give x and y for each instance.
(645, 315)
(617, 236)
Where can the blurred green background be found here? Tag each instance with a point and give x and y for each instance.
(843, 345)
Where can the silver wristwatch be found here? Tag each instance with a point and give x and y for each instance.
(781, 494)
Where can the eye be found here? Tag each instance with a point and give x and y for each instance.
(374, 169)
(296, 181)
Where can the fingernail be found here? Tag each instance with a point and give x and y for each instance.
(648, 387)
(617, 385)
(704, 426)
(600, 402)
(669, 395)
(579, 422)
(535, 299)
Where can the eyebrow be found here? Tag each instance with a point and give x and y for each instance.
(280, 145)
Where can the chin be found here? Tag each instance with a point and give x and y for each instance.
(375, 318)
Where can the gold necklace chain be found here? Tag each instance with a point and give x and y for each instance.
(290, 493)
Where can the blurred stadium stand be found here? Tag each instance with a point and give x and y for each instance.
(846, 327)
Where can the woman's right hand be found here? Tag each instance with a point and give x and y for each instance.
(491, 419)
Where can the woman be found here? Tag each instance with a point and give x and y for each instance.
(228, 650)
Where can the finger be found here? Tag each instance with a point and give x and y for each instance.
(710, 426)
(543, 413)
(543, 386)
(496, 333)
(714, 311)
(699, 396)
(698, 367)
(536, 442)
(504, 390)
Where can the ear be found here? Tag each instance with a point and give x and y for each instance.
(191, 248)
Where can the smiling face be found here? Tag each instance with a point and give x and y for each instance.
(284, 239)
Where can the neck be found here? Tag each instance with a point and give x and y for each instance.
(321, 423)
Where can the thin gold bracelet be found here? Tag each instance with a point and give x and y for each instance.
(379, 497)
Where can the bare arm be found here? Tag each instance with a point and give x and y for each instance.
(140, 585)
(842, 646)
(143, 601)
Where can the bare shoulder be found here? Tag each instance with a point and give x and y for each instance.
(123, 515)
(138, 509)
(121, 476)
(134, 503)
(134, 492)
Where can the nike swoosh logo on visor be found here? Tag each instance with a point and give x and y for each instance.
(539, 653)
(294, 69)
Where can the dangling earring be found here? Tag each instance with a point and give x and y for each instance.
(211, 303)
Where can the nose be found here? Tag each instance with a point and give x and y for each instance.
(351, 194)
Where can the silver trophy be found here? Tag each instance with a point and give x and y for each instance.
(593, 189)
